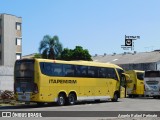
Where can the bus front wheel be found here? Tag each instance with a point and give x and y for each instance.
(115, 97)
(71, 99)
(61, 99)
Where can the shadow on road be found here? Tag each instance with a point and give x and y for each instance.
(142, 98)
(34, 105)
(26, 106)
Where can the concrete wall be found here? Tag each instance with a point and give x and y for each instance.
(6, 78)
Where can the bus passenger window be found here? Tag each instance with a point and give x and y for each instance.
(57, 70)
(111, 73)
(83, 71)
(91, 72)
(48, 69)
(102, 73)
(69, 70)
(78, 71)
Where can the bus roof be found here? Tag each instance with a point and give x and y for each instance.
(81, 62)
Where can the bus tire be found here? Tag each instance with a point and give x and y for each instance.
(61, 99)
(115, 97)
(155, 97)
(71, 99)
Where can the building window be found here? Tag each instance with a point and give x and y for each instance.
(18, 26)
(18, 56)
(18, 41)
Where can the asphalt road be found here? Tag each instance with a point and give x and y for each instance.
(101, 109)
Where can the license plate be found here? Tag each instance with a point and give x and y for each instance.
(24, 97)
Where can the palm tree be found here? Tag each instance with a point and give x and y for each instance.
(50, 47)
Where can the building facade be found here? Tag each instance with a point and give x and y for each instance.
(10, 39)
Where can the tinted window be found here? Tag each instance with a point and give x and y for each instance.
(24, 65)
(92, 72)
(111, 73)
(53, 69)
(57, 70)
(140, 75)
(102, 72)
(152, 74)
(69, 70)
(83, 71)
(24, 68)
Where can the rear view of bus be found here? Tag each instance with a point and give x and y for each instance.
(24, 85)
(152, 83)
(135, 85)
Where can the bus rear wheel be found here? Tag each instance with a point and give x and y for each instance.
(61, 99)
(115, 97)
(71, 99)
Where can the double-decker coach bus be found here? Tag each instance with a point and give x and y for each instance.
(152, 83)
(66, 82)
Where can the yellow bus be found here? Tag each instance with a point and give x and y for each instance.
(135, 85)
(66, 82)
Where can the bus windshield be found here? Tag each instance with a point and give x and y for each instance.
(24, 68)
(140, 75)
(152, 74)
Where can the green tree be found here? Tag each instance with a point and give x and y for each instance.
(37, 55)
(77, 54)
(66, 54)
(81, 54)
(50, 47)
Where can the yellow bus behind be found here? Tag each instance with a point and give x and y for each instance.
(135, 84)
